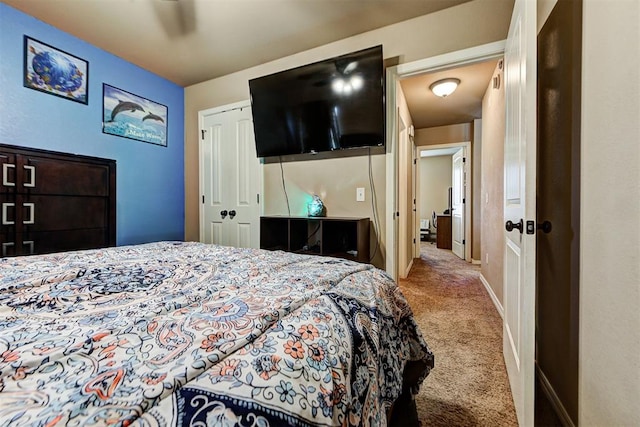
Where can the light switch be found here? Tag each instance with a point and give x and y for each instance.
(360, 194)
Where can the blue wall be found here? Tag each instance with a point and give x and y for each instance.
(150, 178)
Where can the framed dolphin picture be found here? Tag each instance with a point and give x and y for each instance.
(55, 72)
(131, 116)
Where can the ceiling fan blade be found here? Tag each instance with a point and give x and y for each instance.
(177, 17)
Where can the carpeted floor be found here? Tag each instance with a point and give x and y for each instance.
(469, 385)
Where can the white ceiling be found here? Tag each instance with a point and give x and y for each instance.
(190, 41)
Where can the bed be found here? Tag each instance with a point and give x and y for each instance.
(185, 333)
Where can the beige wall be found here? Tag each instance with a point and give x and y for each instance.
(335, 181)
(435, 180)
(492, 185)
(444, 134)
(609, 361)
(470, 24)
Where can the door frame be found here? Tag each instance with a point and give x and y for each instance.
(202, 114)
(455, 59)
(467, 191)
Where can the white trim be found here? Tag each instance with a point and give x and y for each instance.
(221, 109)
(476, 261)
(408, 270)
(455, 59)
(493, 296)
(448, 60)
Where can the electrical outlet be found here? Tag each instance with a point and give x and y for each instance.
(360, 194)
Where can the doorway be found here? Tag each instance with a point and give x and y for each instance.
(443, 194)
(558, 211)
(444, 122)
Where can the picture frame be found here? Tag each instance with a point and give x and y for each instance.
(132, 116)
(56, 72)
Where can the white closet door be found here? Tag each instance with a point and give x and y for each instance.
(519, 207)
(230, 179)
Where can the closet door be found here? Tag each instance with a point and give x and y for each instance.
(230, 179)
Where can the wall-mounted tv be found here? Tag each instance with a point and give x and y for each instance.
(329, 105)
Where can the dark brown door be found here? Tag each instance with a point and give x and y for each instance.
(558, 202)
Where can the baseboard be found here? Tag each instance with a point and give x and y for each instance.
(408, 270)
(476, 261)
(493, 296)
(547, 389)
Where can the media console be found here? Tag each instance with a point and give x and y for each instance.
(328, 236)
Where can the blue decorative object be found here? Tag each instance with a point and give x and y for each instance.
(57, 72)
(54, 71)
(315, 207)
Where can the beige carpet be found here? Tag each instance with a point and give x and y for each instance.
(468, 385)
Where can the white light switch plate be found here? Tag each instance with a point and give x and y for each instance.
(360, 194)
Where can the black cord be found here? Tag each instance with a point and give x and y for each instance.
(284, 187)
(314, 232)
(374, 208)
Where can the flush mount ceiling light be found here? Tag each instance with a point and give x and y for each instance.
(444, 87)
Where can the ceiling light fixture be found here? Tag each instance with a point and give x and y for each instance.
(444, 87)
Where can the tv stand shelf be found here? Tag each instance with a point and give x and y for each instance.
(328, 236)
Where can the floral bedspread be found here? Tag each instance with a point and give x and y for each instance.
(183, 333)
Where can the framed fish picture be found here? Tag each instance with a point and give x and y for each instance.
(56, 72)
(131, 116)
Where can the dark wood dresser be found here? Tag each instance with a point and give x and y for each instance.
(52, 202)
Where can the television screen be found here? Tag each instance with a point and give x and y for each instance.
(329, 105)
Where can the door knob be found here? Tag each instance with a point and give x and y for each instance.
(510, 225)
(223, 214)
(545, 227)
(232, 214)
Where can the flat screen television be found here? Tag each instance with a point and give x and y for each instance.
(329, 105)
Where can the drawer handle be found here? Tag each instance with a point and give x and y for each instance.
(30, 244)
(31, 215)
(6, 246)
(5, 175)
(5, 213)
(32, 175)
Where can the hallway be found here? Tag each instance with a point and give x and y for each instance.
(469, 385)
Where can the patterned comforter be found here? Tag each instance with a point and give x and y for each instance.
(183, 333)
